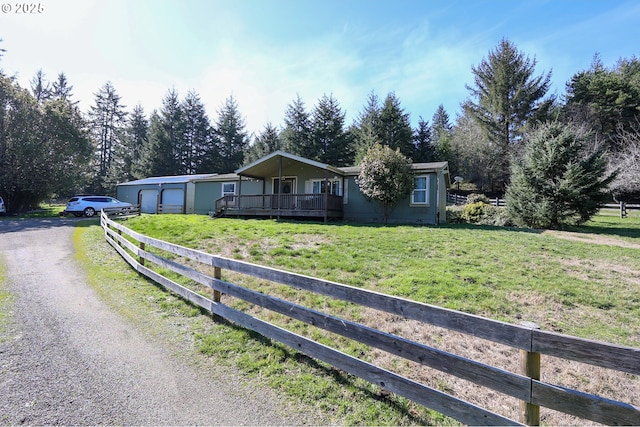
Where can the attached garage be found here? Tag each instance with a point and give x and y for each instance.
(172, 200)
(148, 201)
(164, 194)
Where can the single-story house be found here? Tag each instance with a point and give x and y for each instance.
(285, 185)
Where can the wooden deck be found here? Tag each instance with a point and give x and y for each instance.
(326, 206)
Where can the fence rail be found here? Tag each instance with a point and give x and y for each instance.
(622, 207)
(532, 342)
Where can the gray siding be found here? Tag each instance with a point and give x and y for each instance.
(359, 209)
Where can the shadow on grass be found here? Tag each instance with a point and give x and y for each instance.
(319, 368)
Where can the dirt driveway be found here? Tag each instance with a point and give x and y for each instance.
(68, 359)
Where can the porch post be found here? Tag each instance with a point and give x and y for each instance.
(239, 191)
(326, 195)
(279, 185)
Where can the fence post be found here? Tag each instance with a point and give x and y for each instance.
(530, 367)
(623, 209)
(217, 274)
(141, 259)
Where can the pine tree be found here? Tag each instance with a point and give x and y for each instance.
(297, 134)
(61, 89)
(265, 143)
(364, 131)
(40, 87)
(197, 137)
(424, 149)
(508, 98)
(166, 135)
(559, 180)
(157, 158)
(394, 126)
(331, 144)
(107, 119)
(231, 138)
(135, 139)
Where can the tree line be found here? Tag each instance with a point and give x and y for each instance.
(49, 147)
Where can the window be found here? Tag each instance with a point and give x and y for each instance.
(420, 194)
(228, 188)
(319, 187)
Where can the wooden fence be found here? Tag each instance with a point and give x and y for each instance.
(525, 386)
(622, 207)
(456, 199)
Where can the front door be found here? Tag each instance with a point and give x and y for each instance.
(284, 199)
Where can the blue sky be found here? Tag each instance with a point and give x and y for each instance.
(266, 52)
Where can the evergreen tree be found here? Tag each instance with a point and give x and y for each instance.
(508, 98)
(297, 134)
(231, 138)
(424, 149)
(127, 164)
(197, 138)
(607, 100)
(40, 87)
(107, 119)
(441, 133)
(265, 143)
(559, 180)
(330, 141)
(166, 138)
(385, 177)
(394, 126)
(365, 131)
(157, 157)
(61, 88)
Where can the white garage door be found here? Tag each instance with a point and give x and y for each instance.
(148, 201)
(173, 200)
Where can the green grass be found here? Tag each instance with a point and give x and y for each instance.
(43, 211)
(6, 304)
(579, 287)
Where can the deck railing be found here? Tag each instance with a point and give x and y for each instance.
(289, 202)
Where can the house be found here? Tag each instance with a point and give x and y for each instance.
(282, 185)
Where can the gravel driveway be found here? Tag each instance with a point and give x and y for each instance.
(68, 359)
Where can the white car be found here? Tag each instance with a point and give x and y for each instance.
(3, 209)
(89, 205)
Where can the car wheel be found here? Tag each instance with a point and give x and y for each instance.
(89, 212)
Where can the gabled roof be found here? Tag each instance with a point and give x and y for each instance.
(174, 179)
(264, 167)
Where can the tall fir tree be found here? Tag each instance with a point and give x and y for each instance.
(107, 120)
(364, 131)
(508, 97)
(40, 87)
(61, 89)
(128, 162)
(424, 149)
(297, 133)
(330, 142)
(166, 134)
(231, 137)
(441, 129)
(265, 143)
(394, 126)
(197, 138)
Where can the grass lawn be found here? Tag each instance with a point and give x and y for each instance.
(584, 282)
